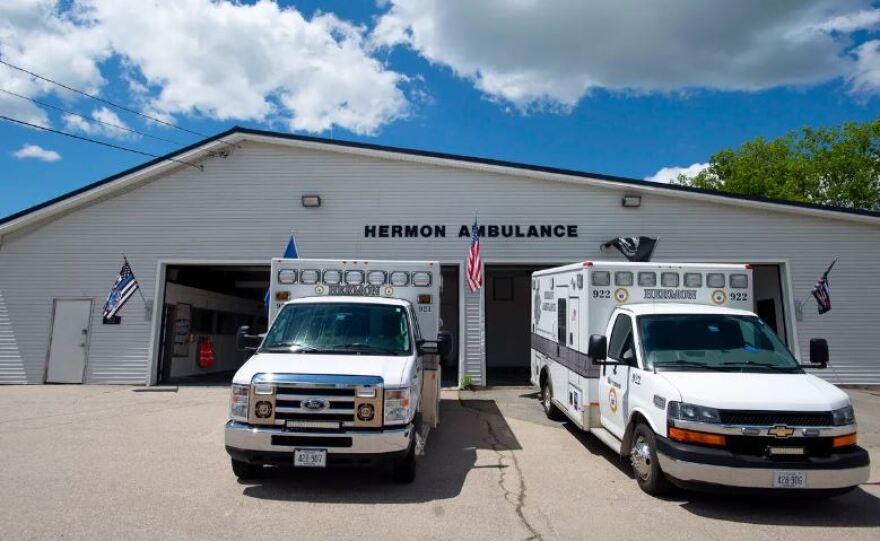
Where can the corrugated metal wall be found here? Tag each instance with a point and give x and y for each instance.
(243, 207)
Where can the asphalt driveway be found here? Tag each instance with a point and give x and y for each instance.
(94, 462)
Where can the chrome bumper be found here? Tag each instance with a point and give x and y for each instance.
(250, 438)
(759, 477)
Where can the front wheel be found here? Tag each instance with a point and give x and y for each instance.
(550, 409)
(645, 466)
(404, 471)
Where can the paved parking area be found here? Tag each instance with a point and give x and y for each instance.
(87, 462)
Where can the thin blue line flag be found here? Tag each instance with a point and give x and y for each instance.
(123, 289)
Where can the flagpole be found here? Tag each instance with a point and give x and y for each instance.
(135, 277)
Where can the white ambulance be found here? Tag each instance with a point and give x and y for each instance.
(667, 364)
(348, 372)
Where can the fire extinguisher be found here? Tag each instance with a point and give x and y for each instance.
(206, 353)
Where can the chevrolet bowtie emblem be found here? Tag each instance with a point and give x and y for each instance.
(780, 431)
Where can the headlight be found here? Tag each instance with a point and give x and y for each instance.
(398, 404)
(238, 406)
(692, 412)
(843, 416)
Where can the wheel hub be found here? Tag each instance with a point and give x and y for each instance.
(640, 456)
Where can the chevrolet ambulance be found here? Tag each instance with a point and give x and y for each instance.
(348, 372)
(667, 365)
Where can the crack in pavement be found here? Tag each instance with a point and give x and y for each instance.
(516, 496)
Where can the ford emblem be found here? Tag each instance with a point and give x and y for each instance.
(315, 404)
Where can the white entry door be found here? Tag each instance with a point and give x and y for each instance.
(70, 340)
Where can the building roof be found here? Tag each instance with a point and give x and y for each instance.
(238, 134)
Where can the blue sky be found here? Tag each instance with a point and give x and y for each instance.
(487, 81)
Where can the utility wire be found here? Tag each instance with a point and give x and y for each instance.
(98, 98)
(107, 102)
(115, 126)
(95, 141)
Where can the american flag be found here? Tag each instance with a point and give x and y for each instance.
(821, 292)
(474, 266)
(123, 289)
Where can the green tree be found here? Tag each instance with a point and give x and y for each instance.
(830, 166)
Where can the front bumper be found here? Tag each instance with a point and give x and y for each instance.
(694, 466)
(244, 437)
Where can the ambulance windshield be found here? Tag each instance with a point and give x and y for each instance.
(712, 342)
(341, 328)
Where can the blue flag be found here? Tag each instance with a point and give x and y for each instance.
(289, 253)
(122, 290)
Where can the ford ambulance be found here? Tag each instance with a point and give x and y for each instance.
(667, 364)
(348, 372)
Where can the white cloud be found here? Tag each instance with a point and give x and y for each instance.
(850, 22)
(533, 53)
(865, 79)
(37, 152)
(669, 174)
(221, 59)
(106, 125)
(34, 34)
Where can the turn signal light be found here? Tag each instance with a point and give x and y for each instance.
(844, 441)
(424, 299)
(690, 436)
(282, 296)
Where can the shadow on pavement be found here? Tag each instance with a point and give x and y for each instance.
(466, 426)
(858, 509)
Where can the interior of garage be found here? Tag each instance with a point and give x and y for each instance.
(508, 309)
(768, 295)
(204, 305)
(449, 321)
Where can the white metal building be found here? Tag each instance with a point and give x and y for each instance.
(199, 242)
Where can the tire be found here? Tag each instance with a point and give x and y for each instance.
(404, 470)
(643, 459)
(245, 470)
(550, 409)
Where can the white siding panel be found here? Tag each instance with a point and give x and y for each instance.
(11, 360)
(243, 207)
(474, 337)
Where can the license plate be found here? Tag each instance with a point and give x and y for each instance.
(789, 479)
(310, 458)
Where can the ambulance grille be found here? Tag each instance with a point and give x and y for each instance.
(772, 418)
(290, 400)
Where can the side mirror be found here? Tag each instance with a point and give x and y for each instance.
(428, 347)
(819, 352)
(247, 341)
(444, 338)
(597, 350)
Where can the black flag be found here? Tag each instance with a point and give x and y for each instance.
(633, 248)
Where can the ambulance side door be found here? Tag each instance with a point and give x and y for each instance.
(576, 390)
(559, 372)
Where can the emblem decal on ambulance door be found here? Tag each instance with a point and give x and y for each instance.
(719, 296)
(621, 295)
(612, 400)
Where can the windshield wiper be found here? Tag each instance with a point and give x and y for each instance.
(289, 347)
(682, 362)
(743, 364)
(360, 346)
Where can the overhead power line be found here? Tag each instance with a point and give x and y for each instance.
(110, 124)
(100, 99)
(95, 141)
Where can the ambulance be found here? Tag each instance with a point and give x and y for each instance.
(348, 373)
(667, 364)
